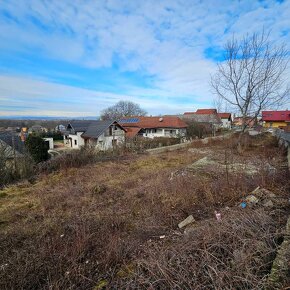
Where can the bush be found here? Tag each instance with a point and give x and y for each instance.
(37, 148)
(13, 170)
(199, 130)
(75, 158)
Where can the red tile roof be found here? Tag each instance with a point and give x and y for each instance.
(224, 115)
(277, 116)
(132, 131)
(206, 111)
(154, 122)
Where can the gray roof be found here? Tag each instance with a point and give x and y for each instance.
(80, 125)
(92, 129)
(6, 143)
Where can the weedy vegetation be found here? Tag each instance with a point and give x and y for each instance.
(87, 223)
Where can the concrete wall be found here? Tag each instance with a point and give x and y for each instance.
(50, 142)
(184, 145)
(284, 140)
(168, 148)
(77, 140)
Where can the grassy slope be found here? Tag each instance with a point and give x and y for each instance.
(99, 225)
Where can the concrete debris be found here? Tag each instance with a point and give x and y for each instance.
(271, 169)
(204, 162)
(162, 237)
(176, 173)
(189, 220)
(268, 203)
(251, 200)
(218, 216)
(265, 198)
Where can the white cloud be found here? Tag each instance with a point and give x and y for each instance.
(26, 96)
(163, 39)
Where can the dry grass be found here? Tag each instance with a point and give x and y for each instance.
(99, 226)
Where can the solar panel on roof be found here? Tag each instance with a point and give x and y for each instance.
(131, 120)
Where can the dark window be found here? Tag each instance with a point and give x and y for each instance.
(76, 142)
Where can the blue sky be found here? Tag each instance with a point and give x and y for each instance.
(75, 58)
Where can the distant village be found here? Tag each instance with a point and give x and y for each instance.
(106, 134)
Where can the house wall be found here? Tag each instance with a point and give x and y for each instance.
(226, 123)
(105, 142)
(50, 141)
(164, 132)
(76, 140)
(274, 124)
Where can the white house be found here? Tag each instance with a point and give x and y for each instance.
(151, 127)
(103, 135)
(226, 119)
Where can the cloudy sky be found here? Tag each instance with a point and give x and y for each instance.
(74, 58)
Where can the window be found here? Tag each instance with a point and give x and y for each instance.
(76, 143)
(154, 130)
(114, 142)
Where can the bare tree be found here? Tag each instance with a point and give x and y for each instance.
(252, 76)
(122, 109)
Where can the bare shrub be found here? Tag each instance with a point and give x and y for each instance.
(76, 158)
(233, 254)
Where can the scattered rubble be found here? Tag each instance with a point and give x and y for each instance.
(189, 220)
(181, 172)
(218, 216)
(264, 197)
(251, 200)
(232, 168)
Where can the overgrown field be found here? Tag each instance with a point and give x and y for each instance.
(113, 224)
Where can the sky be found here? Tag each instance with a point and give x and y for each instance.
(75, 58)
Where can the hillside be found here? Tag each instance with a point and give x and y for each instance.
(114, 224)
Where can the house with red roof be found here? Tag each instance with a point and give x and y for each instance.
(151, 127)
(219, 119)
(226, 119)
(275, 119)
(203, 112)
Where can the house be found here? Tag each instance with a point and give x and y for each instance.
(60, 128)
(151, 127)
(250, 121)
(275, 119)
(203, 112)
(37, 129)
(11, 145)
(103, 135)
(226, 119)
(23, 133)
